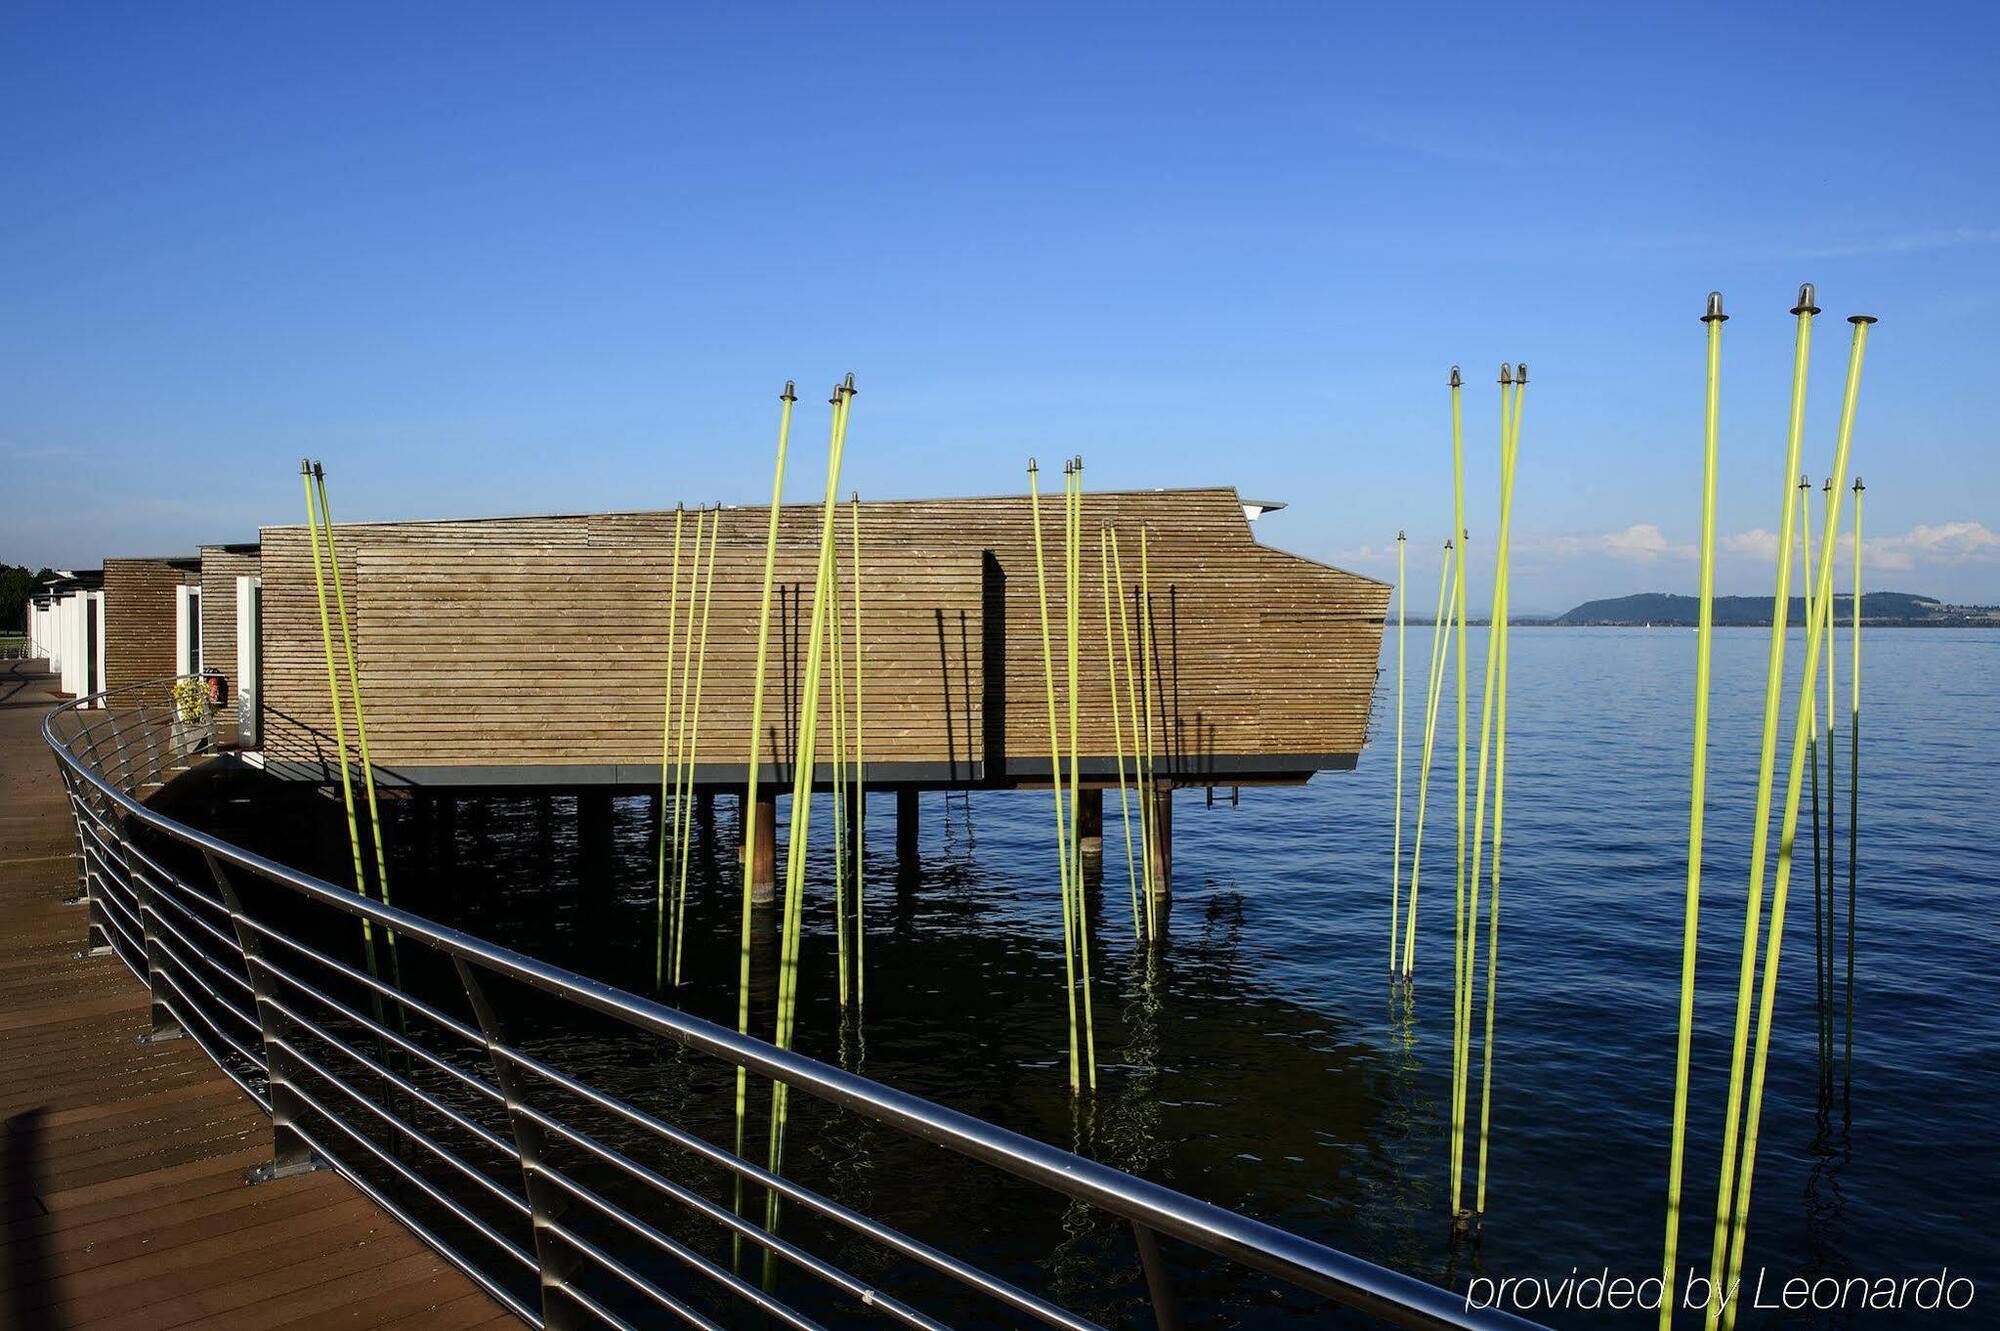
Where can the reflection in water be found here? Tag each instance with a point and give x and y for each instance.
(1251, 1062)
(1404, 1193)
(1247, 1100)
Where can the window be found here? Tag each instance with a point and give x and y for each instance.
(249, 654)
(187, 630)
(93, 630)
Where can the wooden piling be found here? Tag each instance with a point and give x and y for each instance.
(1161, 845)
(906, 825)
(593, 841)
(762, 827)
(1090, 824)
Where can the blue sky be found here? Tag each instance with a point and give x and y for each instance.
(489, 258)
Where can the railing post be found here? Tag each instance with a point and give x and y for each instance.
(153, 764)
(1165, 1311)
(163, 1024)
(555, 1260)
(118, 739)
(289, 1152)
(96, 937)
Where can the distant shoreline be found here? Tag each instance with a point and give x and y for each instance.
(1883, 609)
(1843, 622)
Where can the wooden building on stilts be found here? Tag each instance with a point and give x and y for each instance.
(533, 651)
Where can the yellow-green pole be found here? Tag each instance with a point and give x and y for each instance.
(1146, 646)
(1055, 762)
(333, 696)
(1396, 843)
(667, 753)
(1075, 607)
(1139, 777)
(1073, 475)
(805, 760)
(837, 654)
(1829, 729)
(682, 791)
(1462, 1032)
(802, 783)
(1433, 693)
(787, 398)
(684, 850)
(1853, 776)
(1760, 827)
(354, 683)
(360, 736)
(1458, 636)
(1073, 849)
(1805, 554)
(1117, 737)
(1504, 600)
(860, 781)
(1832, 659)
(1712, 321)
(1768, 991)
(1830, 715)
(1812, 764)
(1497, 677)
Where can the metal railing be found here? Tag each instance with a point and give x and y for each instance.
(393, 1049)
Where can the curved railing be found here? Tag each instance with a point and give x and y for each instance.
(394, 1050)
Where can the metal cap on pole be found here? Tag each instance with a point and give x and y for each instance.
(1806, 295)
(1714, 314)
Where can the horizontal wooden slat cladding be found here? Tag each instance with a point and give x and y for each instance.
(221, 566)
(542, 640)
(139, 619)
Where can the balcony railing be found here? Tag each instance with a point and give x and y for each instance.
(511, 1114)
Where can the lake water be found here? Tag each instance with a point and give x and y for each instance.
(1260, 1061)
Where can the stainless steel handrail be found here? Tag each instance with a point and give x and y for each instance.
(110, 817)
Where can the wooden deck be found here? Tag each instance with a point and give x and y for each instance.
(122, 1167)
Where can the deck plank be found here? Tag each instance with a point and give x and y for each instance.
(123, 1197)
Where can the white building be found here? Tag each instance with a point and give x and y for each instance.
(66, 625)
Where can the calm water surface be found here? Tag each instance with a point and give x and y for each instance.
(1260, 1061)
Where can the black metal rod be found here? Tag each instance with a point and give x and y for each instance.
(1165, 1311)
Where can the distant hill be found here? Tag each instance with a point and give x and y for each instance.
(1888, 608)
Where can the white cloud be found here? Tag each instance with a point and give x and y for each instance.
(1943, 544)
(1758, 543)
(1926, 545)
(1363, 554)
(1640, 543)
